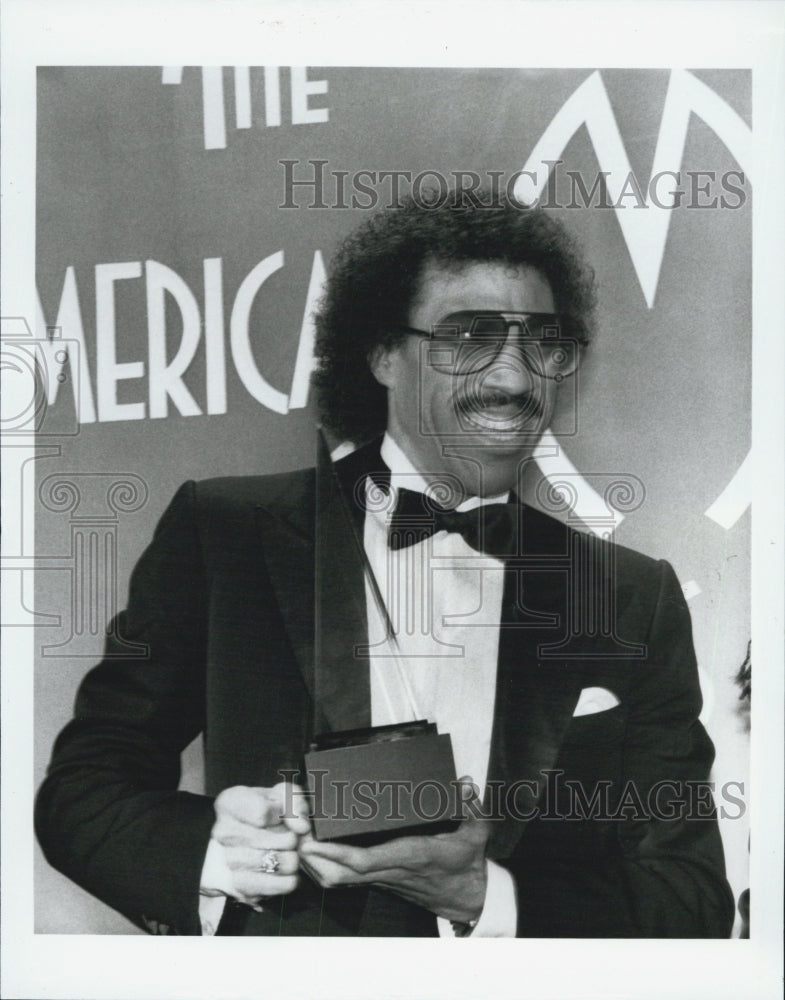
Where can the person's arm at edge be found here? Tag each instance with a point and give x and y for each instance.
(109, 815)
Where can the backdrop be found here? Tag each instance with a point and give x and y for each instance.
(185, 218)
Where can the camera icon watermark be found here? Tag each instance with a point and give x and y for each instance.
(35, 369)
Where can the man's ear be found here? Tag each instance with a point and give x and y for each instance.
(380, 361)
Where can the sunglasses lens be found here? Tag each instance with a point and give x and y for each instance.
(467, 342)
(488, 328)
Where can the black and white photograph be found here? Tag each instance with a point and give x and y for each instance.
(392, 507)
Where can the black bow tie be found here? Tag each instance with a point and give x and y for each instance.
(491, 528)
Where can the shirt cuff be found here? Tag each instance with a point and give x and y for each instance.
(215, 885)
(499, 917)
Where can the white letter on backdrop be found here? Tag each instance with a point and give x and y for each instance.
(302, 88)
(251, 377)
(70, 342)
(108, 371)
(166, 379)
(215, 362)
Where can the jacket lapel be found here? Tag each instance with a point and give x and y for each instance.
(535, 695)
(341, 629)
(286, 528)
(312, 542)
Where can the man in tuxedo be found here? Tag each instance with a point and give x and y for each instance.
(562, 666)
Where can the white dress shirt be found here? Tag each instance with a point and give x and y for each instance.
(444, 600)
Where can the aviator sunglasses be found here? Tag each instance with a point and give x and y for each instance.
(467, 342)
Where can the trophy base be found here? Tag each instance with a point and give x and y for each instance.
(371, 784)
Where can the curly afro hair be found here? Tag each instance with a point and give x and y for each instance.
(374, 279)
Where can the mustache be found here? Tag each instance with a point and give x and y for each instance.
(523, 403)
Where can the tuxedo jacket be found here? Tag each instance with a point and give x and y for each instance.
(595, 814)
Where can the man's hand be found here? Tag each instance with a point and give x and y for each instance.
(444, 872)
(250, 823)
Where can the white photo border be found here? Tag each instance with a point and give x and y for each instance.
(223, 32)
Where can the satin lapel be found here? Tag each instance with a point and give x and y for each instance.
(287, 533)
(316, 571)
(342, 673)
(535, 696)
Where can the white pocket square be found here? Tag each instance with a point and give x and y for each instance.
(595, 700)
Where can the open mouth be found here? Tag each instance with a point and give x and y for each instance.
(500, 413)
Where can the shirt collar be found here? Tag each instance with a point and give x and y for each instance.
(404, 474)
